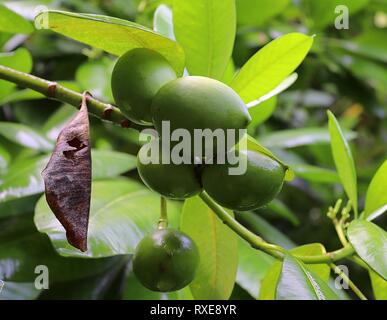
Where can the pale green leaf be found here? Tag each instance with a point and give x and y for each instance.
(162, 21)
(11, 22)
(379, 286)
(343, 160)
(271, 65)
(206, 30)
(376, 197)
(218, 249)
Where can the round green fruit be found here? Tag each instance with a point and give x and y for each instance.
(260, 183)
(199, 103)
(137, 77)
(175, 181)
(166, 260)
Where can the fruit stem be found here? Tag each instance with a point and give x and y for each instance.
(272, 249)
(163, 221)
(355, 289)
(56, 91)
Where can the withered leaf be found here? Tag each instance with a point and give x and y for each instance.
(67, 178)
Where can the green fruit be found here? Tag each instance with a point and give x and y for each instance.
(261, 182)
(166, 260)
(136, 78)
(199, 103)
(176, 181)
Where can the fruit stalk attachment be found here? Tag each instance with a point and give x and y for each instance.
(163, 221)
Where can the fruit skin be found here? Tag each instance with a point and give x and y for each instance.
(137, 77)
(198, 103)
(261, 182)
(170, 180)
(166, 260)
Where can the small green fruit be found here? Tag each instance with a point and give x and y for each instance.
(199, 103)
(137, 77)
(261, 182)
(175, 181)
(166, 260)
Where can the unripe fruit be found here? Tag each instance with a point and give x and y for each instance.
(199, 103)
(137, 77)
(261, 182)
(166, 260)
(175, 181)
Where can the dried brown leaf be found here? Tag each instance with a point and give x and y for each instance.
(67, 178)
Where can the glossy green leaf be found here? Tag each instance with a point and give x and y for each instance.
(113, 35)
(163, 21)
(257, 12)
(260, 113)
(95, 77)
(343, 160)
(11, 22)
(218, 249)
(269, 282)
(315, 174)
(206, 30)
(20, 256)
(370, 243)
(271, 65)
(25, 136)
(379, 286)
(18, 291)
(322, 13)
(20, 60)
(252, 267)
(377, 191)
(297, 282)
(122, 212)
(24, 177)
(299, 137)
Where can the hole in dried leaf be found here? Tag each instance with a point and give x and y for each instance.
(75, 143)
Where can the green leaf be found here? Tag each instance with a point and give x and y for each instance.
(11, 22)
(343, 160)
(271, 65)
(283, 211)
(206, 30)
(315, 174)
(322, 13)
(20, 60)
(162, 21)
(24, 176)
(95, 77)
(218, 249)
(25, 136)
(376, 194)
(122, 212)
(260, 113)
(269, 282)
(252, 267)
(5, 158)
(299, 137)
(115, 36)
(20, 256)
(379, 286)
(297, 282)
(18, 291)
(57, 121)
(257, 12)
(261, 227)
(370, 243)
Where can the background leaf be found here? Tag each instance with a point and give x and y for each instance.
(162, 21)
(122, 212)
(218, 249)
(19, 291)
(206, 30)
(370, 243)
(296, 282)
(377, 191)
(343, 160)
(379, 286)
(11, 22)
(113, 35)
(271, 65)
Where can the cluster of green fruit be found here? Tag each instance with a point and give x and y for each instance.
(147, 91)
